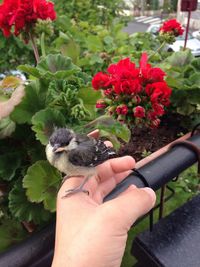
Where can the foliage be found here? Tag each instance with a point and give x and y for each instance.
(42, 183)
(188, 182)
(98, 12)
(92, 47)
(111, 129)
(51, 99)
(11, 232)
(24, 210)
(183, 72)
(13, 52)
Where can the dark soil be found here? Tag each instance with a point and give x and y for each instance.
(145, 141)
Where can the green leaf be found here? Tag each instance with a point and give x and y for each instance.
(108, 40)
(44, 123)
(35, 152)
(94, 43)
(193, 96)
(63, 22)
(33, 101)
(57, 67)
(9, 163)
(89, 98)
(95, 58)
(180, 58)
(24, 210)
(7, 127)
(68, 47)
(41, 183)
(117, 129)
(186, 109)
(11, 232)
(195, 79)
(113, 139)
(29, 70)
(174, 83)
(196, 63)
(188, 71)
(111, 129)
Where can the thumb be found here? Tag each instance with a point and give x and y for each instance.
(132, 204)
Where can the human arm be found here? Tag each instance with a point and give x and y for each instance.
(90, 232)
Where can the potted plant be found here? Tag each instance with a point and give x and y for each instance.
(56, 93)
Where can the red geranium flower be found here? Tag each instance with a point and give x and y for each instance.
(108, 92)
(122, 110)
(151, 115)
(172, 26)
(126, 87)
(124, 69)
(159, 92)
(23, 14)
(7, 12)
(139, 112)
(149, 74)
(100, 80)
(158, 108)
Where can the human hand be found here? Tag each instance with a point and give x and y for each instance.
(92, 233)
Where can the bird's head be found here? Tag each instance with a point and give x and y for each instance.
(62, 139)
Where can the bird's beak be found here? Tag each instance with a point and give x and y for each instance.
(57, 148)
(60, 149)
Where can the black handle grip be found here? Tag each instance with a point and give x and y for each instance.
(162, 169)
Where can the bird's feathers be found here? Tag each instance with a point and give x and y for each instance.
(79, 155)
(90, 152)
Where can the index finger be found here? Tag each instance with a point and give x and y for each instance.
(113, 167)
(94, 134)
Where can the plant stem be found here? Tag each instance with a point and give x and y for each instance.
(42, 43)
(158, 50)
(35, 49)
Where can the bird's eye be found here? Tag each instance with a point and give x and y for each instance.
(64, 144)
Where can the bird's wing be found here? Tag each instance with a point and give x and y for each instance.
(90, 152)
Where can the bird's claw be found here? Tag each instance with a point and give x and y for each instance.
(75, 191)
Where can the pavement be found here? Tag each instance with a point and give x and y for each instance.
(140, 24)
(134, 26)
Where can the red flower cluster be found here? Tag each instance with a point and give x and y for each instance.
(133, 94)
(123, 110)
(23, 14)
(172, 27)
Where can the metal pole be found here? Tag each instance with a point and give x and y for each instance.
(187, 28)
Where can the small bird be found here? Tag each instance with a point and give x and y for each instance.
(76, 155)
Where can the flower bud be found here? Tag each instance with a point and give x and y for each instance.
(44, 26)
(100, 104)
(155, 123)
(139, 112)
(136, 99)
(121, 118)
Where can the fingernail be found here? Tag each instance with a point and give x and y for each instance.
(132, 186)
(150, 192)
